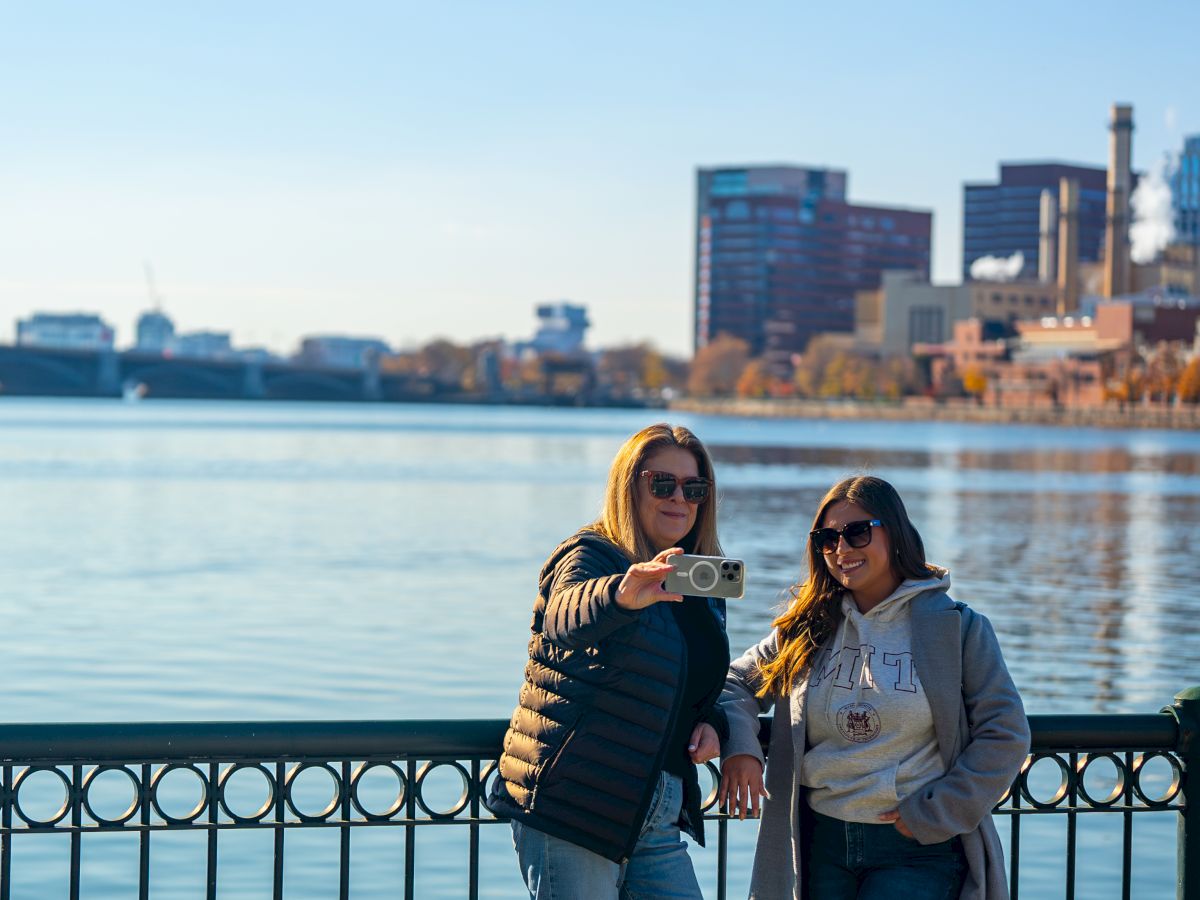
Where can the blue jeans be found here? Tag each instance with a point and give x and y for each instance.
(856, 861)
(659, 869)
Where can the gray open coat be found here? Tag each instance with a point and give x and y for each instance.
(981, 730)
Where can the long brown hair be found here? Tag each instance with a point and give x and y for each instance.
(812, 615)
(619, 520)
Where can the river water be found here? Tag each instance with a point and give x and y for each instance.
(204, 561)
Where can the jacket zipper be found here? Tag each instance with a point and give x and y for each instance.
(549, 764)
(644, 806)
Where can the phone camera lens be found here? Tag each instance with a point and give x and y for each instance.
(725, 566)
(737, 567)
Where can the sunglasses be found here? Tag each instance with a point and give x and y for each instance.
(857, 535)
(662, 485)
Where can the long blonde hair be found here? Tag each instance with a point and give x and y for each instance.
(813, 613)
(619, 520)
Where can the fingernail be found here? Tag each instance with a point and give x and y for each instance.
(691, 746)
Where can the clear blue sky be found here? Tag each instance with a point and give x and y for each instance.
(415, 170)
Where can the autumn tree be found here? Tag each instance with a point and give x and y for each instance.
(445, 362)
(1163, 370)
(638, 367)
(975, 383)
(898, 376)
(754, 380)
(1187, 389)
(808, 373)
(717, 366)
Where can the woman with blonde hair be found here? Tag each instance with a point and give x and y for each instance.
(619, 701)
(896, 725)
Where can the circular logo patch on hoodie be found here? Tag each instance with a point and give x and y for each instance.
(858, 722)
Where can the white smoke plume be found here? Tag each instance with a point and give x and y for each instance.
(1153, 224)
(998, 268)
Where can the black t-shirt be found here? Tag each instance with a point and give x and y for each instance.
(707, 663)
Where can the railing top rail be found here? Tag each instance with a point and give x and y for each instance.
(333, 739)
(427, 738)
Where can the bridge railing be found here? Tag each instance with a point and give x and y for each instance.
(346, 776)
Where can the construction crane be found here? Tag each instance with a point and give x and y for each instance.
(151, 289)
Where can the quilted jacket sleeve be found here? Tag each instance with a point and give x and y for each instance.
(581, 599)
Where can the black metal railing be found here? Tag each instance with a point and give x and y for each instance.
(152, 765)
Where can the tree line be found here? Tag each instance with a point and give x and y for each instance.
(726, 368)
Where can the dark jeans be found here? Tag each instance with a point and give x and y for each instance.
(855, 861)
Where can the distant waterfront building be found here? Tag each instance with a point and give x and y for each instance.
(905, 310)
(1004, 217)
(1185, 193)
(70, 331)
(202, 345)
(1004, 303)
(1175, 271)
(155, 332)
(562, 328)
(780, 254)
(341, 352)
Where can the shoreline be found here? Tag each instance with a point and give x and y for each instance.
(922, 410)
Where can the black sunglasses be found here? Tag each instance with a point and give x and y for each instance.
(662, 485)
(857, 535)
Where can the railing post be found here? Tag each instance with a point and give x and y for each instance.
(1186, 711)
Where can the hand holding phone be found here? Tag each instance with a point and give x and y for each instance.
(706, 576)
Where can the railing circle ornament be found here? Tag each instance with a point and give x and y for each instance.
(1173, 789)
(223, 785)
(710, 799)
(356, 779)
(492, 769)
(89, 781)
(289, 782)
(156, 783)
(1118, 788)
(463, 799)
(57, 817)
(1066, 779)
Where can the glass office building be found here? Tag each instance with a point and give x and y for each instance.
(1002, 218)
(1185, 193)
(780, 254)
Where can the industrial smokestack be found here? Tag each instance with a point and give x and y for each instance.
(1116, 234)
(1068, 245)
(1047, 237)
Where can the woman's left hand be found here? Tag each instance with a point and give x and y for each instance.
(893, 816)
(705, 744)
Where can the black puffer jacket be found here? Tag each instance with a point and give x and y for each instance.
(602, 690)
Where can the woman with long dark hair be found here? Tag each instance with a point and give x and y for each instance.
(619, 702)
(896, 725)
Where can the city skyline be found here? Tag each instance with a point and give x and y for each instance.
(392, 173)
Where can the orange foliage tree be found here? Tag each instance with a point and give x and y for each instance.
(754, 380)
(717, 367)
(1188, 387)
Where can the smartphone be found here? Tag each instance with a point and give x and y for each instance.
(706, 576)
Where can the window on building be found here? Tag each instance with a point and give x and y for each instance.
(925, 325)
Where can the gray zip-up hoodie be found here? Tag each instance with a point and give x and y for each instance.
(870, 732)
(982, 737)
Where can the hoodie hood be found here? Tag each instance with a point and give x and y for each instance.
(891, 605)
